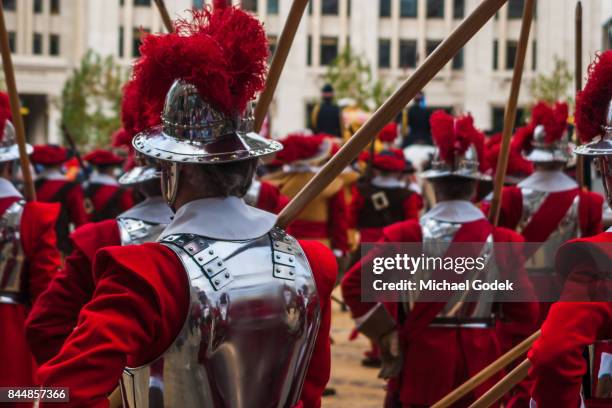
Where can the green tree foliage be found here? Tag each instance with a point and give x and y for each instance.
(556, 86)
(91, 100)
(351, 77)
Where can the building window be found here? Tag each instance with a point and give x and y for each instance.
(408, 8)
(498, 114)
(534, 55)
(495, 55)
(272, 42)
(9, 5)
(515, 9)
(408, 53)
(310, 8)
(121, 51)
(431, 45)
(435, 8)
(137, 34)
(607, 35)
(12, 38)
(457, 64)
(249, 5)
(37, 6)
(329, 50)
(37, 44)
(385, 8)
(511, 47)
(384, 53)
(55, 6)
(272, 7)
(458, 9)
(309, 50)
(349, 6)
(329, 7)
(198, 4)
(54, 44)
(142, 2)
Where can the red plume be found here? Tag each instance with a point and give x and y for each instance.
(522, 138)
(453, 136)
(298, 146)
(223, 53)
(219, 4)
(592, 103)
(554, 119)
(389, 133)
(5, 112)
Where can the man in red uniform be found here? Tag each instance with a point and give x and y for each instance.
(442, 344)
(557, 356)
(55, 314)
(53, 187)
(226, 309)
(29, 259)
(265, 196)
(105, 197)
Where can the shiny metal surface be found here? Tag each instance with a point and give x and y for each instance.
(9, 150)
(250, 330)
(558, 151)
(465, 166)
(543, 259)
(252, 195)
(133, 231)
(601, 146)
(195, 132)
(139, 174)
(11, 252)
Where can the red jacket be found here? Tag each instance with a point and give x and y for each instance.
(56, 311)
(136, 313)
(435, 359)
(558, 362)
(72, 198)
(270, 198)
(108, 201)
(42, 260)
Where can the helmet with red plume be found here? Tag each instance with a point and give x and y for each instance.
(547, 140)
(460, 147)
(301, 150)
(9, 150)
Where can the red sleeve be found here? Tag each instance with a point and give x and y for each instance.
(558, 362)
(55, 313)
(39, 242)
(338, 222)
(324, 268)
(590, 213)
(133, 316)
(412, 206)
(355, 206)
(75, 201)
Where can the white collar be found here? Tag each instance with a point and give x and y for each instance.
(223, 218)
(455, 211)
(105, 179)
(387, 182)
(153, 210)
(548, 181)
(7, 189)
(51, 174)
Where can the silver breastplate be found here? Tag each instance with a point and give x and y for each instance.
(437, 238)
(133, 231)
(11, 255)
(249, 333)
(542, 261)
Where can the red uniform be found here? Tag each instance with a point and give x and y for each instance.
(135, 315)
(270, 198)
(439, 359)
(42, 260)
(108, 200)
(557, 356)
(69, 194)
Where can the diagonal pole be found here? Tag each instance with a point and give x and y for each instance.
(278, 61)
(425, 73)
(510, 116)
(9, 75)
(161, 6)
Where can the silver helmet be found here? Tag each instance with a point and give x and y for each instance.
(9, 149)
(466, 166)
(146, 169)
(192, 131)
(542, 152)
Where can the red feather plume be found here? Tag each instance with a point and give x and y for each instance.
(222, 52)
(5, 112)
(554, 119)
(592, 103)
(453, 136)
(298, 146)
(389, 133)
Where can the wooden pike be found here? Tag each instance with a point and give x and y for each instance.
(9, 76)
(161, 6)
(578, 68)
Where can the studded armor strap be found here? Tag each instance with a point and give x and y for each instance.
(11, 255)
(133, 231)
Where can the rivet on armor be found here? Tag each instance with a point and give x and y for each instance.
(211, 251)
(227, 275)
(217, 281)
(200, 258)
(219, 263)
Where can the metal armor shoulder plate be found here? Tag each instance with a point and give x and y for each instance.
(133, 231)
(11, 255)
(250, 329)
